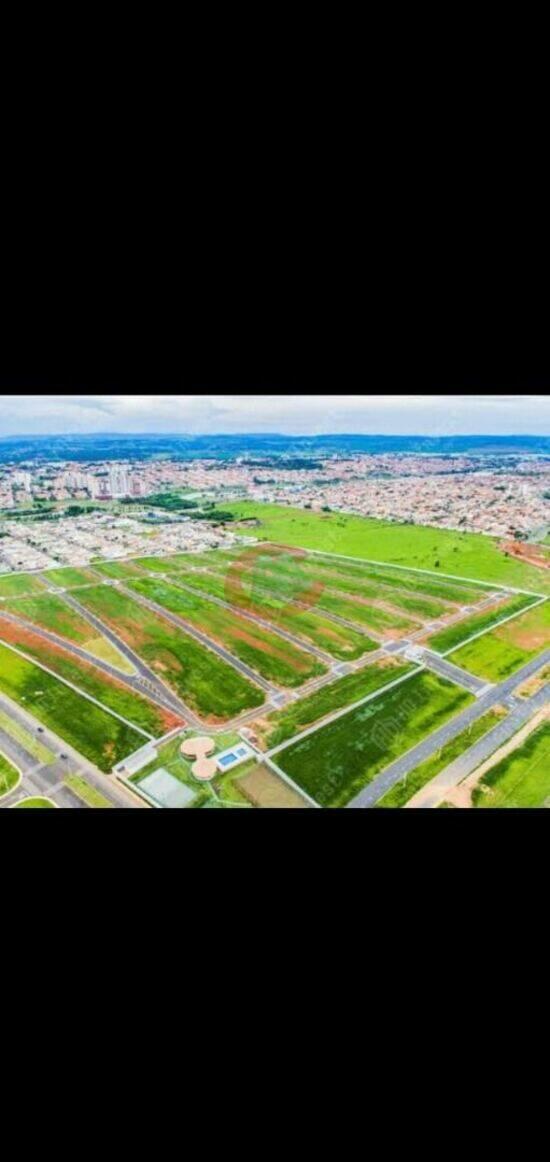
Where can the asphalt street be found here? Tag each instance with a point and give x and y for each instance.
(169, 699)
(47, 778)
(434, 793)
(273, 626)
(455, 673)
(191, 630)
(423, 750)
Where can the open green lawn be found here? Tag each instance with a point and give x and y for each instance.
(87, 792)
(448, 639)
(93, 732)
(181, 562)
(29, 742)
(284, 724)
(19, 585)
(271, 656)
(338, 640)
(9, 775)
(286, 579)
(522, 778)
(363, 614)
(207, 683)
(118, 570)
(114, 694)
(343, 581)
(502, 651)
(51, 612)
(490, 658)
(69, 578)
(463, 554)
(34, 803)
(400, 578)
(333, 763)
(413, 782)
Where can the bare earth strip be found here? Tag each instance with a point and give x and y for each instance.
(461, 796)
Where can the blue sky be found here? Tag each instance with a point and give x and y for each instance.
(294, 414)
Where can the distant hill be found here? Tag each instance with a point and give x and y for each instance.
(112, 446)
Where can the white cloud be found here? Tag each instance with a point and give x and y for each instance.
(293, 414)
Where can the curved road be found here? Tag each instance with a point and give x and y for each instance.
(152, 682)
(145, 685)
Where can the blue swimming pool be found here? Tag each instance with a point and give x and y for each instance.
(230, 758)
(226, 759)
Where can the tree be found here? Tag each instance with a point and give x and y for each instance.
(436, 564)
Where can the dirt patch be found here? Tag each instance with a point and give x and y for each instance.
(532, 554)
(534, 684)
(263, 788)
(461, 796)
(267, 648)
(166, 663)
(528, 639)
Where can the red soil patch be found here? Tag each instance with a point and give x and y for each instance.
(532, 554)
(271, 651)
(528, 638)
(47, 654)
(244, 564)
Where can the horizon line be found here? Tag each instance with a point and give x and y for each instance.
(280, 435)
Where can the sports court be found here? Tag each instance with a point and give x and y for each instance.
(165, 790)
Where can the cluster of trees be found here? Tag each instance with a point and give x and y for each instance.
(169, 501)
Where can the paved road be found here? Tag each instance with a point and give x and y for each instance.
(272, 626)
(195, 633)
(434, 792)
(455, 673)
(170, 700)
(146, 687)
(340, 713)
(46, 778)
(402, 766)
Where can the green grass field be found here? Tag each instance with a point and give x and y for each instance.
(284, 724)
(339, 641)
(333, 763)
(19, 585)
(285, 579)
(29, 742)
(51, 612)
(69, 578)
(522, 778)
(117, 570)
(93, 732)
(345, 581)
(454, 635)
(86, 792)
(9, 775)
(35, 803)
(370, 615)
(386, 577)
(86, 677)
(469, 555)
(271, 656)
(207, 683)
(403, 791)
(502, 651)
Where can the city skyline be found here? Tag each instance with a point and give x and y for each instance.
(295, 415)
